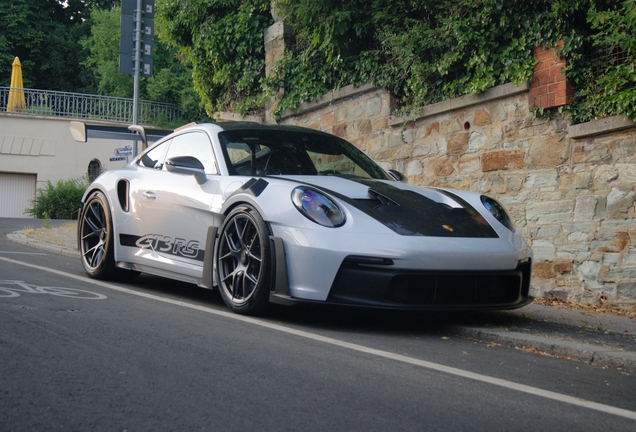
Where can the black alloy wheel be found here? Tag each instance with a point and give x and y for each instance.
(242, 261)
(95, 240)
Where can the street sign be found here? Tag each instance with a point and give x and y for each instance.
(123, 151)
(128, 37)
(148, 8)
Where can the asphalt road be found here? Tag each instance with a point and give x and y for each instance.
(78, 354)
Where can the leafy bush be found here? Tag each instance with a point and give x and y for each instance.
(422, 52)
(612, 91)
(59, 201)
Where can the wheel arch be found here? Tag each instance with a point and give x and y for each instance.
(279, 285)
(208, 279)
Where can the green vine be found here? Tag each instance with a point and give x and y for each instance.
(612, 89)
(422, 52)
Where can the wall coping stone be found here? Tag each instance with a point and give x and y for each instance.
(499, 92)
(599, 127)
(329, 98)
(233, 117)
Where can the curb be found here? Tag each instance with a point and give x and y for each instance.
(20, 237)
(591, 354)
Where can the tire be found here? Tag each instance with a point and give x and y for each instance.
(242, 261)
(95, 241)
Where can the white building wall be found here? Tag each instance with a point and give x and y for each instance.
(44, 148)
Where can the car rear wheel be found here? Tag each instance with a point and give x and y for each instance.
(242, 261)
(95, 240)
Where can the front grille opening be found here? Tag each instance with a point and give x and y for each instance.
(454, 289)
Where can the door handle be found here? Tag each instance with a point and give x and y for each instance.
(150, 195)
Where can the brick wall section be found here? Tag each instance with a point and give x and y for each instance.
(549, 87)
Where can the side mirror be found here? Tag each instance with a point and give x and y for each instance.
(398, 176)
(187, 165)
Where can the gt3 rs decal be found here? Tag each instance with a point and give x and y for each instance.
(165, 245)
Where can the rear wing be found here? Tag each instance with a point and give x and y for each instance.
(82, 132)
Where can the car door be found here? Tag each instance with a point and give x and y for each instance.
(130, 227)
(174, 210)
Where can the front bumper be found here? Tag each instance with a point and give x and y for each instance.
(358, 284)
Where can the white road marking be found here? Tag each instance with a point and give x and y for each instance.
(355, 347)
(21, 253)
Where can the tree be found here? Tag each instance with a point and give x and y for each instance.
(102, 47)
(35, 31)
(171, 81)
(222, 40)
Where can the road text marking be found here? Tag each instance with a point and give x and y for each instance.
(13, 288)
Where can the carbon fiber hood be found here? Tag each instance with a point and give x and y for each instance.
(406, 210)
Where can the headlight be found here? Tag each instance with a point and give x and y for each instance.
(498, 211)
(317, 207)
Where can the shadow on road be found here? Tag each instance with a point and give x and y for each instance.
(334, 318)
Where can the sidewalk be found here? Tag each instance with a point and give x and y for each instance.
(599, 339)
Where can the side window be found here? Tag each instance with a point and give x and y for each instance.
(195, 144)
(154, 157)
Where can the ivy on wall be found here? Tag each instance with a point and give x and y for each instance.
(422, 52)
(609, 87)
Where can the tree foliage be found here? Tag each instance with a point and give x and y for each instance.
(223, 42)
(171, 80)
(43, 35)
(423, 52)
(211, 52)
(73, 45)
(102, 48)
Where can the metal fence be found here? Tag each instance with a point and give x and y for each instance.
(63, 104)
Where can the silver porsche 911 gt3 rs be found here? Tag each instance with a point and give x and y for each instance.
(287, 215)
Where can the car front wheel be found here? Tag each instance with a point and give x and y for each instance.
(242, 261)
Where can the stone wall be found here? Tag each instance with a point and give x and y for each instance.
(570, 189)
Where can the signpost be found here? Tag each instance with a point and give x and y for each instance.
(136, 45)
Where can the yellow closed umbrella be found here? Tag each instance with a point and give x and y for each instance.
(17, 103)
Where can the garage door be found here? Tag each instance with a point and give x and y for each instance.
(16, 193)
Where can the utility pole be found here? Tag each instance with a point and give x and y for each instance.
(137, 28)
(136, 69)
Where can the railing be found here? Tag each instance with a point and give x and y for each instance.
(63, 104)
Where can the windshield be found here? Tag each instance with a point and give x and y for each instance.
(279, 152)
